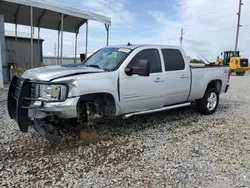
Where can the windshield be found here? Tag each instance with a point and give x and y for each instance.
(227, 55)
(236, 54)
(107, 58)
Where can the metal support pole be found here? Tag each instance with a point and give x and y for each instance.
(107, 29)
(58, 47)
(4, 66)
(31, 38)
(61, 38)
(38, 48)
(76, 46)
(86, 45)
(1, 69)
(16, 43)
(238, 26)
(16, 20)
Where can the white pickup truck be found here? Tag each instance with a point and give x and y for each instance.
(121, 81)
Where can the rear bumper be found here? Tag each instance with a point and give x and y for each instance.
(227, 88)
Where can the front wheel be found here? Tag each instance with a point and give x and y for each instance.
(240, 73)
(209, 103)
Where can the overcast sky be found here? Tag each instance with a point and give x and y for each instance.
(210, 26)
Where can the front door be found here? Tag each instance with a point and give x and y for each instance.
(140, 93)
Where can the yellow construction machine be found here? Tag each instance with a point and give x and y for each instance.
(237, 64)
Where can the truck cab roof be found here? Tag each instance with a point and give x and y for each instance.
(134, 46)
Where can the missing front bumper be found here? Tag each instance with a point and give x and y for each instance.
(23, 106)
(64, 110)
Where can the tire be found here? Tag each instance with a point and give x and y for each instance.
(240, 73)
(204, 106)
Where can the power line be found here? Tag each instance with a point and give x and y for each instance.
(174, 39)
(192, 18)
(201, 34)
(191, 6)
(187, 25)
(228, 28)
(212, 12)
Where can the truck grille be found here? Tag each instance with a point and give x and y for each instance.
(18, 86)
(33, 90)
(16, 93)
(244, 62)
(23, 93)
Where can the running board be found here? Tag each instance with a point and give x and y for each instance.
(156, 110)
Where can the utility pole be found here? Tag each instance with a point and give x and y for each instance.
(55, 48)
(181, 38)
(238, 26)
(73, 49)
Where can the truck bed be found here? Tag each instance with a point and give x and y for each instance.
(201, 77)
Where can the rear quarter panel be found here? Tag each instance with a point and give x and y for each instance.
(201, 78)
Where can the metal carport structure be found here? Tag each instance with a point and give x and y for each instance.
(48, 15)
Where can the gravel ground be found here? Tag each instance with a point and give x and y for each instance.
(179, 148)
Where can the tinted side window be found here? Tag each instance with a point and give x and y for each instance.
(173, 59)
(153, 57)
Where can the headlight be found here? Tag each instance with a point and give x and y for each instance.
(53, 92)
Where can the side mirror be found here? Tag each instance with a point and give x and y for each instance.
(142, 68)
(221, 53)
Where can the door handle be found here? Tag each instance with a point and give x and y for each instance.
(183, 76)
(158, 80)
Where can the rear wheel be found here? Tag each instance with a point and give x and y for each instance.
(240, 73)
(209, 103)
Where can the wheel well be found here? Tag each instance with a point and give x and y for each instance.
(217, 84)
(103, 102)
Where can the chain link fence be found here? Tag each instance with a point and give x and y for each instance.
(48, 60)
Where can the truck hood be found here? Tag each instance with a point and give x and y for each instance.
(52, 72)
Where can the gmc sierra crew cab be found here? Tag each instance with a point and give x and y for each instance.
(124, 81)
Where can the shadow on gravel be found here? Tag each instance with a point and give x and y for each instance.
(108, 130)
(119, 127)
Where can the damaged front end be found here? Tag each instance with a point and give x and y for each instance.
(29, 104)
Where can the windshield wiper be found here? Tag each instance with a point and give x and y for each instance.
(97, 66)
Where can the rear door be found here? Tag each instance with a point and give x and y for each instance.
(143, 92)
(177, 76)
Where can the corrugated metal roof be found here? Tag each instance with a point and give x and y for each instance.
(46, 14)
